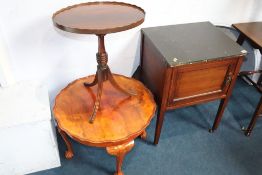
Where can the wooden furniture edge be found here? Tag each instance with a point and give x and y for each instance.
(106, 143)
(100, 31)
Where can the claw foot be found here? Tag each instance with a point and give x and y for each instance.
(120, 151)
(69, 155)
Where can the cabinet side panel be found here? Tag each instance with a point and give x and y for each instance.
(153, 68)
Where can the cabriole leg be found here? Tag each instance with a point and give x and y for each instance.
(120, 151)
(69, 152)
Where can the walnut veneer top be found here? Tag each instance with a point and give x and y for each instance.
(252, 30)
(99, 17)
(121, 118)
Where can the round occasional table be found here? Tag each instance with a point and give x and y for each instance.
(120, 119)
(102, 110)
(100, 18)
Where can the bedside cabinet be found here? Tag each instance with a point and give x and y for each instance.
(188, 64)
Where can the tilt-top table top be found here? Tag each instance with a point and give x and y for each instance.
(99, 17)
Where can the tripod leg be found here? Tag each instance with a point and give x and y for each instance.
(93, 83)
(114, 83)
(98, 95)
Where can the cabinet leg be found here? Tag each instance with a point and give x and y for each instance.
(223, 102)
(222, 106)
(143, 135)
(120, 151)
(254, 118)
(69, 152)
(159, 123)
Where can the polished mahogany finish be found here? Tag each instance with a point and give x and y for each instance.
(99, 17)
(252, 32)
(120, 120)
(189, 64)
(103, 73)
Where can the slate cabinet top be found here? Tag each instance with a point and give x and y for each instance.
(194, 42)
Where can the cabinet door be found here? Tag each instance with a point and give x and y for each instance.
(203, 81)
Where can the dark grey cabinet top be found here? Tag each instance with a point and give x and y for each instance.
(194, 42)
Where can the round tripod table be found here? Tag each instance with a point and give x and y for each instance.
(100, 18)
(120, 120)
(122, 106)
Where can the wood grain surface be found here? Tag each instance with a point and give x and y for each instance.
(189, 64)
(99, 17)
(251, 30)
(120, 119)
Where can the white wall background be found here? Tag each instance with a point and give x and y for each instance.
(6, 76)
(39, 52)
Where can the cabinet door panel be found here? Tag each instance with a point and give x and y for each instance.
(200, 80)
